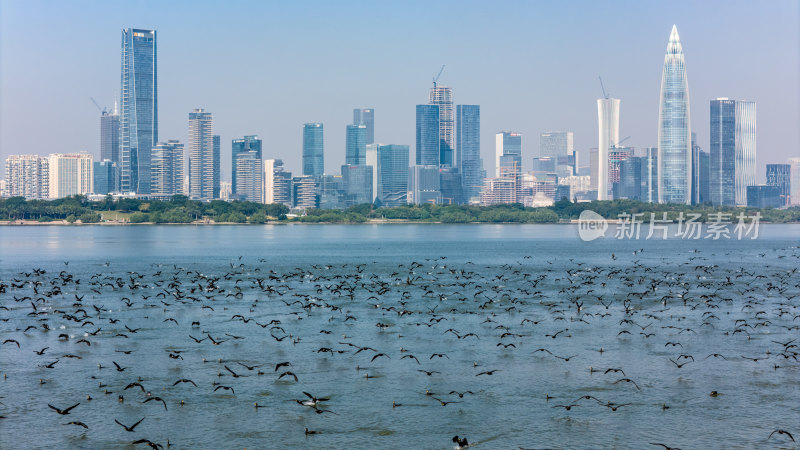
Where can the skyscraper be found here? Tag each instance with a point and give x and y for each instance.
(701, 173)
(608, 136)
(722, 151)
(27, 176)
(366, 116)
(794, 181)
(507, 143)
(304, 192)
(249, 173)
(674, 127)
(442, 96)
(468, 149)
(70, 174)
(732, 151)
(356, 145)
(650, 175)
(138, 118)
(357, 184)
(201, 156)
(167, 169)
(313, 156)
(424, 185)
(556, 143)
(780, 175)
(745, 149)
(244, 146)
(216, 182)
(277, 183)
(393, 175)
(109, 135)
(428, 143)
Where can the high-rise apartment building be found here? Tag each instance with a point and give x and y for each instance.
(428, 143)
(201, 156)
(138, 117)
(277, 183)
(674, 127)
(249, 148)
(468, 149)
(70, 174)
(366, 117)
(249, 173)
(27, 176)
(393, 175)
(356, 145)
(167, 168)
(216, 167)
(304, 192)
(442, 96)
(313, 156)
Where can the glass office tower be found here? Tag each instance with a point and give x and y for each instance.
(356, 145)
(138, 118)
(313, 156)
(393, 175)
(427, 135)
(366, 117)
(442, 96)
(468, 148)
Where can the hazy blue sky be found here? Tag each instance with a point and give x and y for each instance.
(267, 68)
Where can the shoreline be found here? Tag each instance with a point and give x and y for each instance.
(18, 223)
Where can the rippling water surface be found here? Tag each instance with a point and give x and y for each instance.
(545, 313)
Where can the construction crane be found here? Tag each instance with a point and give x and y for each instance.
(605, 94)
(623, 140)
(436, 78)
(102, 110)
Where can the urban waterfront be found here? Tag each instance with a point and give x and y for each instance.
(508, 335)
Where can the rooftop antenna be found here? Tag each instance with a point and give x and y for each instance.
(605, 94)
(436, 78)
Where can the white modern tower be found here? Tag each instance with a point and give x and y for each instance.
(608, 132)
(674, 127)
(745, 150)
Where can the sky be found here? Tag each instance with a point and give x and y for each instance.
(267, 68)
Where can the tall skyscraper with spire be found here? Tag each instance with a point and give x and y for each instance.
(674, 127)
(138, 117)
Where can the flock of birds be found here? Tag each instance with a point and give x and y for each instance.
(234, 330)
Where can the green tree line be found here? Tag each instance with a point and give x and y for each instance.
(180, 209)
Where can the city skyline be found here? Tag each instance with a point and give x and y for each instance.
(570, 107)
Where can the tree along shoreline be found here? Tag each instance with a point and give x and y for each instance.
(17, 211)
